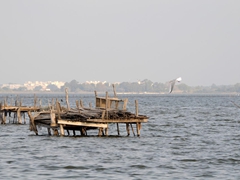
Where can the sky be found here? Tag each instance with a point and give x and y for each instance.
(120, 41)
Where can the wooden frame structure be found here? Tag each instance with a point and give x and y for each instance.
(107, 110)
(18, 111)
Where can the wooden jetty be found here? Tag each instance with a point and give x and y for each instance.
(107, 110)
(18, 111)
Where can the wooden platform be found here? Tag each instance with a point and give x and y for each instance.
(107, 110)
(17, 111)
(61, 117)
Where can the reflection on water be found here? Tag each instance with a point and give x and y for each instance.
(187, 137)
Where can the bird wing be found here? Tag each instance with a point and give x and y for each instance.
(172, 83)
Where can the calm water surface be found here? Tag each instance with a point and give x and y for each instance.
(187, 137)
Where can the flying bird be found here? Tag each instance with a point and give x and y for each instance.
(172, 83)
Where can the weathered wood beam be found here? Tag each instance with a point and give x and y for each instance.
(118, 120)
(87, 124)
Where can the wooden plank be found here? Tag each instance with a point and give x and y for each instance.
(87, 124)
(118, 120)
(22, 108)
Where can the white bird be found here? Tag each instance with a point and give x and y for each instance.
(172, 83)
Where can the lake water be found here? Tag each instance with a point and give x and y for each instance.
(187, 137)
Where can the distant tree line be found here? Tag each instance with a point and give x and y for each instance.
(145, 86)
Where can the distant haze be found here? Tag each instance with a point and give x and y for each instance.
(122, 40)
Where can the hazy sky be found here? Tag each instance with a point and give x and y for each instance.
(120, 40)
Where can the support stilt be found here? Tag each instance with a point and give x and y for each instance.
(61, 130)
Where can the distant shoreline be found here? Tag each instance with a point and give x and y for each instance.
(119, 93)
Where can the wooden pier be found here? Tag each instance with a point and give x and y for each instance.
(61, 120)
(17, 110)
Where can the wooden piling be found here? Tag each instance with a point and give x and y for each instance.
(132, 129)
(81, 103)
(49, 131)
(106, 105)
(61, 130)
(106, 131)
(118, 129)
(125, 104)
(128, 129)
(53, 119)
(32, 123)
(66, 91)
(138, 129)
(136, 108)
(114, 91)
(19, 119)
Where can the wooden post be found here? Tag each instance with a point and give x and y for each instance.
(58, 109)
(66, 91)
(24, 117)
(125, 104)
(49, 131)
(138, 129)
(127, 128)
(81, 103)
(55, 132)
(77, 104)
(74, 133)
(4, 117)
(61, 130)
(106, 105)
(100, 131)
(32, 123)
(52, 104)
(19, 116)
(35, 100)
(106, 131)
(40, 103)
(53, 119)
(114, 91)
(90, 105)
(132, 129)
(5, 103)
(118, 129)
(136, 108)
(103, 114)
(83, 131)
(95, 98)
